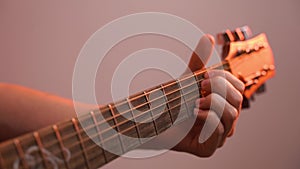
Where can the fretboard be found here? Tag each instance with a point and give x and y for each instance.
(120, 127)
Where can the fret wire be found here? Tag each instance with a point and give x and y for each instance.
(58, 136)
(141, 114)
(139, 96)
(111, 137)
(144, 121)
(41, 147)
(199, 85)
(163, 90)
(181, 80)
(133, 116)
(125, 112)
(154, 90)
(120, 123)
(21, 153)
(182, 96)
(99, 135)
(149, 118)
(108, 139)
(197, 79)
(151, 100)
(75, 123)
(225, 63)
(151, 113)
(202, 72)
(117, 128)
(125, 121)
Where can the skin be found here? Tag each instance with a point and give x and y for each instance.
(205, 111)
(23, 110)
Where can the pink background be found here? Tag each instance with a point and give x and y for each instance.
(40, 41)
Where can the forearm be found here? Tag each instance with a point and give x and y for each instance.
(23, 110)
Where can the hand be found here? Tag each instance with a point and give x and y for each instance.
(213, 114)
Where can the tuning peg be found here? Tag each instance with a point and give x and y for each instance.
(239, 34)
(245, 103)
(246, 31)
(261, 89)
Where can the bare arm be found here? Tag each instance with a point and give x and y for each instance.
(23, 110)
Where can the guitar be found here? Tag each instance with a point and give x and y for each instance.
(67, 145)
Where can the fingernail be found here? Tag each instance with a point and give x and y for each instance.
(201, 100)
(205, 82)
(206, 75)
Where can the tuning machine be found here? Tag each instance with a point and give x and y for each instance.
(228, 36)
(239, 34)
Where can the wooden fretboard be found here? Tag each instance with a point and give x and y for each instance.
(141, 116)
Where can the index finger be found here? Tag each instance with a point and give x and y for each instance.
(238, 84)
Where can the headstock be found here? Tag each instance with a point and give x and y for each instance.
(250, 60)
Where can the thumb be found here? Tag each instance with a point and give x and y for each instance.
(202, 52)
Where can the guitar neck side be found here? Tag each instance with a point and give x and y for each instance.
(100, 136)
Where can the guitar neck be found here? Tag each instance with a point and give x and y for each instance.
(88, 141)
(75, 143)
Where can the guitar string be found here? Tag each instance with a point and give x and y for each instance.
(107, 139)
(124, 121)
(141, 96)
(115, 126)
(94, 145)
(132, 118)
(196, 73)
(112, 137)
(192, 76)
(89, 138)
(179, 81)
(78, 143)
(147, 103)
(133, 108)
(200, 72)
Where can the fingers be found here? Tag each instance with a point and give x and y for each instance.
(225, 111)
(225, 99)
(239, 85)
(225, 85)
(214, 128)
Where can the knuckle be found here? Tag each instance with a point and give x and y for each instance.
(227, 74)
(238, 98)
(215, 97)
(243, 87)
(220, 130)
(233, 114)
(214, 81)
(220, 80)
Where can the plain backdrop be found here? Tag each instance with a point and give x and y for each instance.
(40, 41)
